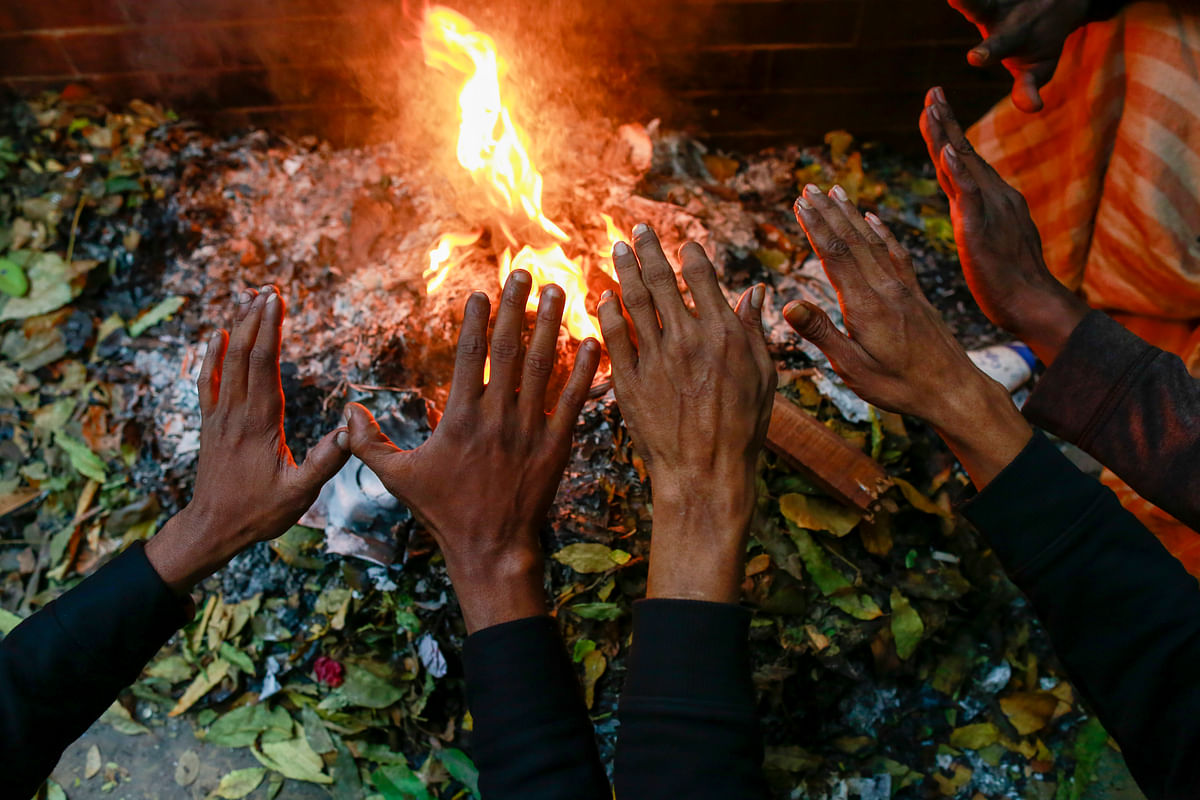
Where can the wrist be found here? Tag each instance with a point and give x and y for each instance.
(1049, 322)
(984, 429)
(188, 549)
(698, 544)
(494, 588)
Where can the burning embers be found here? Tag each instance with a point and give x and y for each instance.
(490, 147)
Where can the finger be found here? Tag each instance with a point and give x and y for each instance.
(237, 355)
(543, 346)
(636, 297)
(933, 133)
(749, 307)
(208, 384)
(868, 248)
(323, 461)
(369, 442)
(898, 256)
(815, 325)
(814, 211)
(1003, 41)
(621, 352)
(749, 311)
(575, 393)
(701, 279)
(265, 387)
(467, 384)
(659, 278)
(1025, 94)
(967, 198)
(505, 350)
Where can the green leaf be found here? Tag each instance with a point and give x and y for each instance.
(13, 281)
(907, 627)
(604, 611)
(292, 759)
(364, 688)
(242, 726)
(398, 782)
(118, 717)
(49, 279)
(240, 783)
(315, 731)
(162, 310)
(581, 649)
(832, 583)
(237, 658)
(589, 557)
(175, 669)
(122, 184)
(84, 461)
(8, 621)
(461, 768)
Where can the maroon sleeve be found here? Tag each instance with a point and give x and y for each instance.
(1133, 407)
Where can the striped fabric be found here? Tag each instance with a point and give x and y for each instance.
(1111, 171)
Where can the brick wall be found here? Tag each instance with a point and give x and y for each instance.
(744, 73)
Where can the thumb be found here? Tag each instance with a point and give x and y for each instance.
(1025, 94)
(323, 461)
(815, 325)
(1001, 44)
(368, 441)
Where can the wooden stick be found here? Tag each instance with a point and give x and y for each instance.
(846, 473)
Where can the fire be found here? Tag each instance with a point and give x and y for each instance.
(492, 149)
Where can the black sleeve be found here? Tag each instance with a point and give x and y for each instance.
(1099, 10)
(1122, 613)
(61, 668)
(688, 721)
(1134, 407)
(532, 736)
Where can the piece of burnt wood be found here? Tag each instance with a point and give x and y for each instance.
(846, 473)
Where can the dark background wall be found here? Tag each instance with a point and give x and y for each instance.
(741, 73)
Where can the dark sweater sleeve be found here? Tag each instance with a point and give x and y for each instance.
(1130, 405)
(63, 666)
(688, 722)
(532, 736)
(1122, 613)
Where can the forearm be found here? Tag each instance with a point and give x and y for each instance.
(1133, 407)
(1124, 616)
(63, 666)
(532, 736)
(699, 530)
(688, 724)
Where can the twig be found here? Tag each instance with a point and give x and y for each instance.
(74, 229)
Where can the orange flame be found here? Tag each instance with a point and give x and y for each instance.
(491, 148)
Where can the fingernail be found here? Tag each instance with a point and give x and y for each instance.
(933, 112)
(796, 314)
(811, 189)
(951, 154)
(978, 56)
(342, 439)
(872, 220)
(214, 339)
(621, 249)
(346, 416)
(520, 276)
(641, 229)
(267, 288)
(839, 193)
(606, 294)
(589, 345)
(245, 297)
(757, 295)
(802, 203)
(272, 298)
(939, 94)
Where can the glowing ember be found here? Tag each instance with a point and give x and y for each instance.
(491, 148)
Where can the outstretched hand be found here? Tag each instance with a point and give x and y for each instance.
(998, 242)
(248, 486)
(1026, 36)
(696, 394)
(897, 353)
(484, 481)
